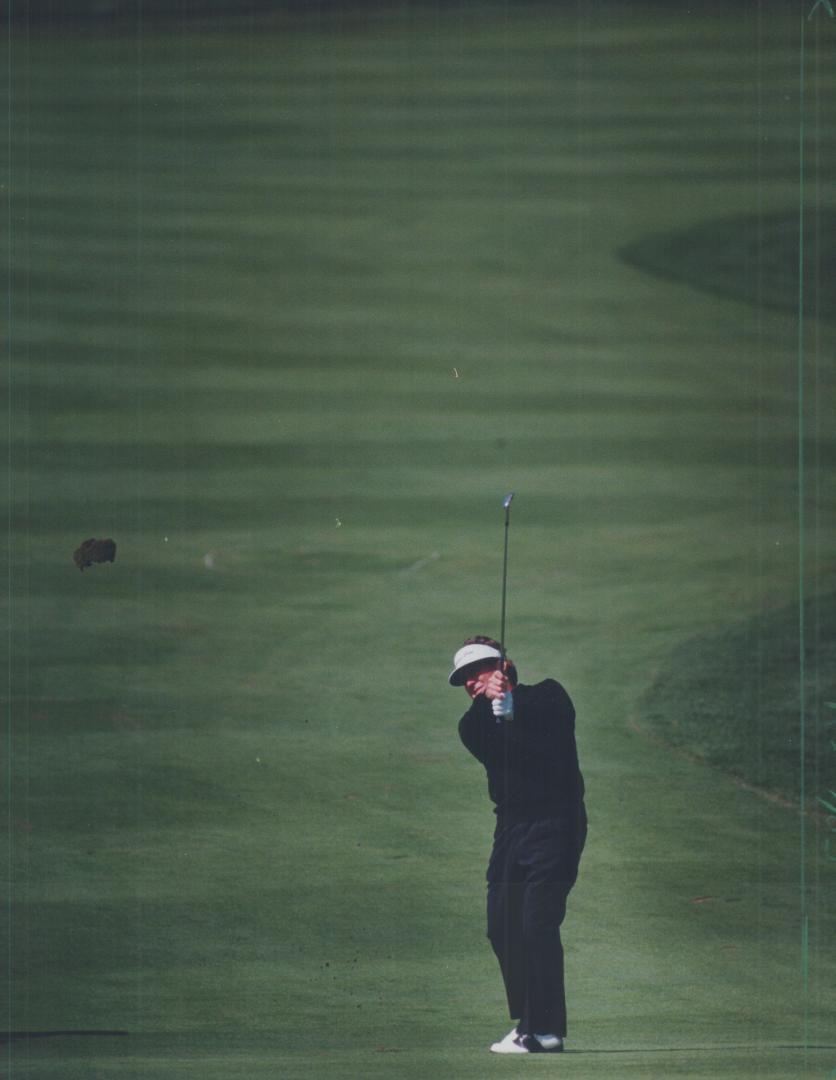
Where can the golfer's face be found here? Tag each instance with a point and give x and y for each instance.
(477, 675)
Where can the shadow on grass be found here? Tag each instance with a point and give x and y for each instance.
(720, 1048)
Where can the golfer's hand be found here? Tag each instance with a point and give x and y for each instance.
(496, 685)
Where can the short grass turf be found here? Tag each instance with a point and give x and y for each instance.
(293, 303)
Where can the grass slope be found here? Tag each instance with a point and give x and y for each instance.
(734, 699)
(292, 306)
(753, 257)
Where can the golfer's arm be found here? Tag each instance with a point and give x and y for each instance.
(478, 730)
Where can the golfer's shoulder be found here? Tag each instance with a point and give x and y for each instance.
(550, 692)
(546, 688)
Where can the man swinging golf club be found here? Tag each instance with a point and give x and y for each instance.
(525, 738)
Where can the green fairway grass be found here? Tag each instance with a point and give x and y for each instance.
(293, 302)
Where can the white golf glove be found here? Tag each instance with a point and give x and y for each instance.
(503, 706)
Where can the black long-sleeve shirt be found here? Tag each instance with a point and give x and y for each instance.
(531, 759)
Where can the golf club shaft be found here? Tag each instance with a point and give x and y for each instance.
(506, 502)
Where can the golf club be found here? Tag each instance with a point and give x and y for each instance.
(506, 503)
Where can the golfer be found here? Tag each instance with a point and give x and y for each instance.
(525, 738)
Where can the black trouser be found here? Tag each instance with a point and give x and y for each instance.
(532, 869)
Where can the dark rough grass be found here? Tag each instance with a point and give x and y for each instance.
(733, 699)
(751, 257)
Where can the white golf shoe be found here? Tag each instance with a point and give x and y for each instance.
(506, 1045)
(528, 1044)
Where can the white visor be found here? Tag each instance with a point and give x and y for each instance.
(471, 654)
